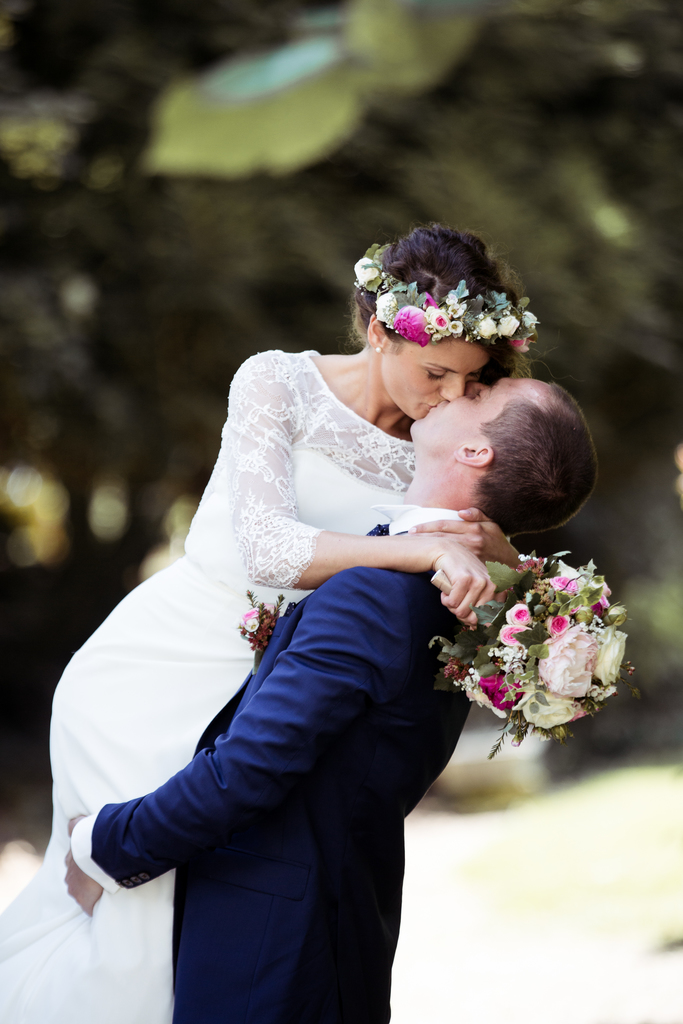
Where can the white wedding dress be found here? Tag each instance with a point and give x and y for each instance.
(135, 699)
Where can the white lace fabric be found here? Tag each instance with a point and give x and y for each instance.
(279, 402)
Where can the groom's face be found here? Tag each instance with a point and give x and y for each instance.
(451, 424)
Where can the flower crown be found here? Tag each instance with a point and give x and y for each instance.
(417, 317)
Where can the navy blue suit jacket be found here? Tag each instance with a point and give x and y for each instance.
(291, 822)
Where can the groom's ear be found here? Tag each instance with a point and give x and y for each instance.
(475, 454)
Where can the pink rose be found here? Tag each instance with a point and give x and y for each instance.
(521, 344)
(250, 620)
(508, 635)
(579, 714)
(571, 661)
(564, 583)
(410, 322)
(497, 691)
(518, 615)
(557, 625)
(441, 321)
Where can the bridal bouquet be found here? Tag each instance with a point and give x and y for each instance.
(552, 653)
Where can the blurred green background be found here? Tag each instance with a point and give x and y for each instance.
(186, 182)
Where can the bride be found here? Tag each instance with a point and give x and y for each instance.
(310, 444)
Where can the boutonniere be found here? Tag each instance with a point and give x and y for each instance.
(257, 624)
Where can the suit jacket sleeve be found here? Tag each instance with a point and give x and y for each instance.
(352, 645)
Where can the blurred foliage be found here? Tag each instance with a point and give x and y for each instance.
(127, 301)
(614, 847)
(293, 104)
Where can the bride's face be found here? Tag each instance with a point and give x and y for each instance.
(416, 379)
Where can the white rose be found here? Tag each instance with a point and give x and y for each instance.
(486, 328)
(367, 273)
(507, 326)
(557, 711)
(567, 570)
(611, 647)
(387, 308)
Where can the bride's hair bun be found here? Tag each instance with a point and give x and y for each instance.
(437, 258)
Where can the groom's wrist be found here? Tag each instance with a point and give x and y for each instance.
(81, 851)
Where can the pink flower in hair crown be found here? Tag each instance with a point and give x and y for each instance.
(410, 322)
(521, 344)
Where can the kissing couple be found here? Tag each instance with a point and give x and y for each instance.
(285, 829)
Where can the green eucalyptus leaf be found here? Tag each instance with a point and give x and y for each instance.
(537, 634)
(482, 657)
(442, 683)
(502, 576)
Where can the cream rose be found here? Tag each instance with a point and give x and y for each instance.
(486, 328)
(507, 326)
(610, 656)
(480, 698)
(557, 711)
(367, 273)
(387, 307)
(570, 664)
(437, 319)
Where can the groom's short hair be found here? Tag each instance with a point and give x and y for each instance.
(544, 464)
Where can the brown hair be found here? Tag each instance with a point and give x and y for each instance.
(438, 258)
(544, 464)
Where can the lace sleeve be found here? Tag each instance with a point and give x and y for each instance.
(263, 413)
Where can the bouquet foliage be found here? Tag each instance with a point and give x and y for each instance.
(552, 653)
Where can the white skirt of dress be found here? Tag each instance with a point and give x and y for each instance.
(127, 714)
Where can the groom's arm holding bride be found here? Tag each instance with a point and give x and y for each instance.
(352, 644)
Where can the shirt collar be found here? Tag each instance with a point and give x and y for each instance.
(402, 517)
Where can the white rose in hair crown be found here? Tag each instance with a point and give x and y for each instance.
(551, 654)
(418, 317)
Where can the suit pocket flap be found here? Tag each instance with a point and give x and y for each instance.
(251, 871)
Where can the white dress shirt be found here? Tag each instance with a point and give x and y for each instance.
(402, 517)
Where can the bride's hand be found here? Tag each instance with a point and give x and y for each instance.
(81, 887)
(481, 535)
(467, 582)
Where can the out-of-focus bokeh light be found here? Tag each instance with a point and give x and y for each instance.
(36, 505)
(175, 525)
(678, 459)
(108, 510)
(78, 296)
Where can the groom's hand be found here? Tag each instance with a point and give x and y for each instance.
(481, 535)
(85, 890)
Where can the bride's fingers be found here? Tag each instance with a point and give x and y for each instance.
(474, 515)
(466, 593)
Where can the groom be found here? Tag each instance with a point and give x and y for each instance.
(289, 820)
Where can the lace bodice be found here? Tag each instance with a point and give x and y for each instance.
(280, 406)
